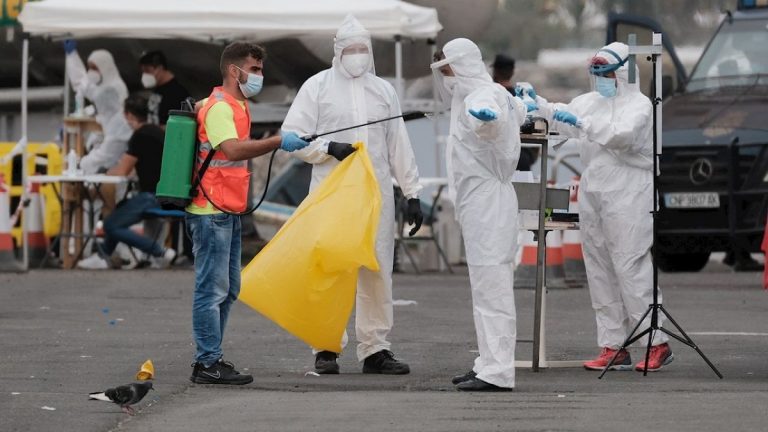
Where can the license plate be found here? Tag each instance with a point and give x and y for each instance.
(692, 200)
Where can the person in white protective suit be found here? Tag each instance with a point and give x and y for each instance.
(101, 84)
(347, 94)
(482, 155)
(613, 128)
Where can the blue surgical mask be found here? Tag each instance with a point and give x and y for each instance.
(252, 85)
(606, 86)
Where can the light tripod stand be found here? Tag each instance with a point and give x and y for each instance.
(654, 309)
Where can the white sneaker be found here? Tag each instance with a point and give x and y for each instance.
(164, 261)
(93, 262)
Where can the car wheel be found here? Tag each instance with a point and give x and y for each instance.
(682, 262)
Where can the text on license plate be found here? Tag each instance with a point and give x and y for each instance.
(692, 200)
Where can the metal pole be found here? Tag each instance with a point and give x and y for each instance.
(439, 141)
(541, 248)
(399, 85)
(65, 111)
(24, 130)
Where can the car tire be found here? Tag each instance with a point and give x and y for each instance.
(682, 262)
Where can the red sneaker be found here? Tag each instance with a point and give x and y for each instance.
(623, 361)
(661, 355)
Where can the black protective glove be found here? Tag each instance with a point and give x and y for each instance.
(340, 150)
(414, 215)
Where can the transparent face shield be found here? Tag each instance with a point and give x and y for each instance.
(444, 80)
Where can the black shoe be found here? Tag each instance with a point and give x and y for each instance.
(478, 385)
(220, 372)
(384, 362)
(325, 363)
(461, 378)
(730, 258)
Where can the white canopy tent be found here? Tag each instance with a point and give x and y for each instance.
(218, 20)
(224, 19)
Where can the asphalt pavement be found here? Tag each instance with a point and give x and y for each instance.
(67, 333)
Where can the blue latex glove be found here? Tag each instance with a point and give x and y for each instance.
(530, 106)
(291, 142)
(566, 117)
(484, 114)
(530, 92)
(70, 45)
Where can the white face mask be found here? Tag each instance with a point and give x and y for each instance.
(252, 85)
(356, 64)
(94, 77)
(148, 80)
(449, 82)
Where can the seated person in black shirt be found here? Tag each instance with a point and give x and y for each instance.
(145, 155)
(167, 93)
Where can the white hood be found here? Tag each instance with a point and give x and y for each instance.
(350, 32)
(622, 73)
(466, 61)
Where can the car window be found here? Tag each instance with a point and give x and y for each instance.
(737, 55)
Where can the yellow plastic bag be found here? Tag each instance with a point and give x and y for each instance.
(305, 278)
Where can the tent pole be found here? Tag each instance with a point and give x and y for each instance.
(399, 85)
(24, 131)
(66, 88)
(435, 118)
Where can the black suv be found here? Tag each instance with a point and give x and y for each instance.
(713, 188)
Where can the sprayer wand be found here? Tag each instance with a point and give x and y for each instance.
(410, 115)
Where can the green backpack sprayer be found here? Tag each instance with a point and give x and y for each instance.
(180, 181)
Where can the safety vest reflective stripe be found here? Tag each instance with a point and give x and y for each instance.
(224, 163)
(219, 159)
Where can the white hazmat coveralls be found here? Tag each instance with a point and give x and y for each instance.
(108, 96)
(615, 201)
(481, 160)
(334, 99)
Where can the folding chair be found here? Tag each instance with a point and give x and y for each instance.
(431, 235)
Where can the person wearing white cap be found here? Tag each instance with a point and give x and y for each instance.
(347, 94)
(482, 155)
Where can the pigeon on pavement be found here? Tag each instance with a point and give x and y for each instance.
(124, 395)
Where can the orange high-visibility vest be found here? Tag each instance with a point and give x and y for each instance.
(225, 181)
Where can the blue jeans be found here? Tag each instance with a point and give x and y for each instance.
(117, 226)
(216, 244)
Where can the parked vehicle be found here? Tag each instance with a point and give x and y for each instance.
(714, 164)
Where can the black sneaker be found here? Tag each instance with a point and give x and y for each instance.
(384, 362)
(220, 372)
(325, 363)
(461, 378)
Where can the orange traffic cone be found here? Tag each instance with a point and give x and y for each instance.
(555, 272)
(8, 261)
(525, 271)
(38, 243)
(573, 256)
